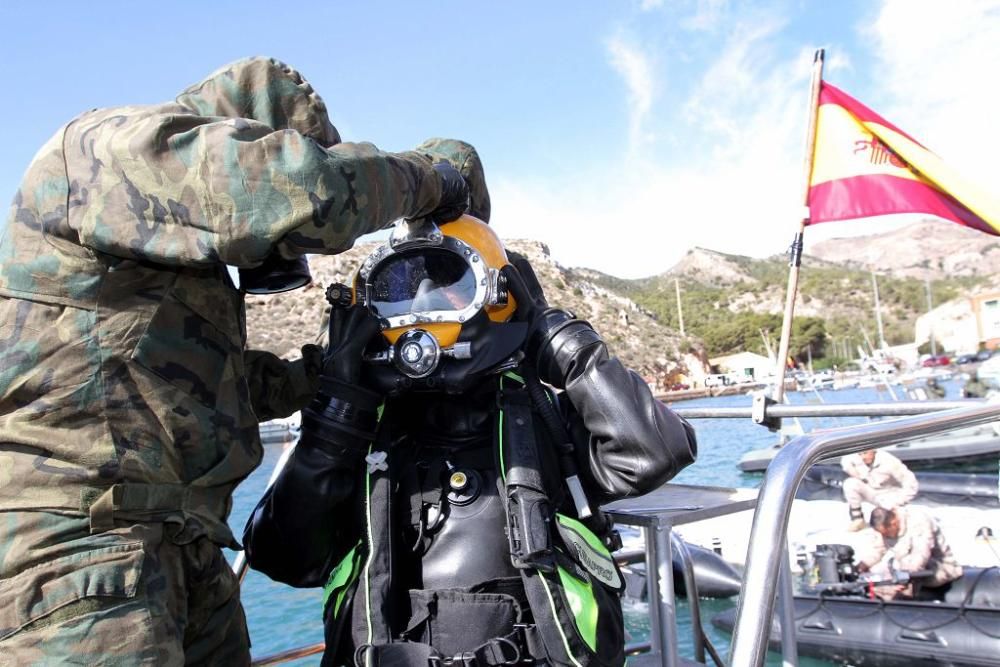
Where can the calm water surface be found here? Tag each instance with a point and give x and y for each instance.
(281, 617)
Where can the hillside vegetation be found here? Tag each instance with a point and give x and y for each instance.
(729, 300)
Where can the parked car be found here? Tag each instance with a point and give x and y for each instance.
(939, 360)
(679, 386)
(966, 359)
(983, 355)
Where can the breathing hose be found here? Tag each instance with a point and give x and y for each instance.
(560, 436)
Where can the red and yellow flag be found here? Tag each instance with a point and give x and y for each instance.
(864, 166)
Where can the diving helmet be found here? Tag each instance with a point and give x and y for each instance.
(443, 304)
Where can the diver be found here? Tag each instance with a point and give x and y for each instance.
(445, 497)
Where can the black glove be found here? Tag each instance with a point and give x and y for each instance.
(342, 418)
(454, 194)
(555, 338)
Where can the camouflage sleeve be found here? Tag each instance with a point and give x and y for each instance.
(908, 485)
(279, 387)
(463, 157)
(871, 549)
(921, 534)
(168, 186)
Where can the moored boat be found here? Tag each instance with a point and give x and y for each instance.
(825, 482)
(961, 626)
(970, 449)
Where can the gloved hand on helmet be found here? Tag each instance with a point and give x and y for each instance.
(556, 339)
(454, 194)
(463, 157)
(341, 419)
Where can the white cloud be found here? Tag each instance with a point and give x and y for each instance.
(634, 67)
(731, 183)
(708, 15)
(732, 179)
(936, 67)
(646, 5)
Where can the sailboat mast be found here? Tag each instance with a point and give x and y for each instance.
(680, 312)
(930, 320)
(878, 315)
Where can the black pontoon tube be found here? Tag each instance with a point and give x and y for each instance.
(774, 504)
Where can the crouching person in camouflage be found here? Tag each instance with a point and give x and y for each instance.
(128, 405)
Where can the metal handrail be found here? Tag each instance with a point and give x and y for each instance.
(897, 409)
(774, 505)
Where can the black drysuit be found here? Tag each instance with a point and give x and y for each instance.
(448, 519)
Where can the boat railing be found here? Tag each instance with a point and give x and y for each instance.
(767, 568)
(766, 555)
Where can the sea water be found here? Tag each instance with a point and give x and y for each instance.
(281, 617)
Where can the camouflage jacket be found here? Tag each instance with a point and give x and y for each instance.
(920, 545)
(886, 472)
(125, 391)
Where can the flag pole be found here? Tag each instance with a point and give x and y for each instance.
(795, 253)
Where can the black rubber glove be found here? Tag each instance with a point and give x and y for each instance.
(454, 194)
(341, 419)
(555, 338)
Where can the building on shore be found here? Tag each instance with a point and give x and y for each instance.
(743, 366)
(963, 325)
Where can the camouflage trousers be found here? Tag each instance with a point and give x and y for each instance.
(855, 491)
(128, 596)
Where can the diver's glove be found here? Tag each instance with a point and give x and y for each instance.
(462, 156)
(556, 339)
(454, 194)
(341, 419)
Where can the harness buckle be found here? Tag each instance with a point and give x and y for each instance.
(503, 651)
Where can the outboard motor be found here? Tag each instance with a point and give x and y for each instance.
(835, 564)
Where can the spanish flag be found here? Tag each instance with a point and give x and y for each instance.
(864, 166)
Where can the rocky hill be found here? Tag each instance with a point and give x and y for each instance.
(282, 323)
(731, 302)
(928, 249)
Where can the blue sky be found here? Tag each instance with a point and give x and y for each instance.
(621, 133)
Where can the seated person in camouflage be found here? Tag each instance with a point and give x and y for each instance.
(877, 477)
(128, 405)
(912, 542)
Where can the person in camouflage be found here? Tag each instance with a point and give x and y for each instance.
(877, 477)
(911, 542)
(128, 405)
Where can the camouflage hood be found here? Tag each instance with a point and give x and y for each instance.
(265, 90)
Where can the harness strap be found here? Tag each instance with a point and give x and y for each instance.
(514, 648)
(130, 501)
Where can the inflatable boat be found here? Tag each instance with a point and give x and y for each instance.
(971, 449)
(958, 625)
(825, 482)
